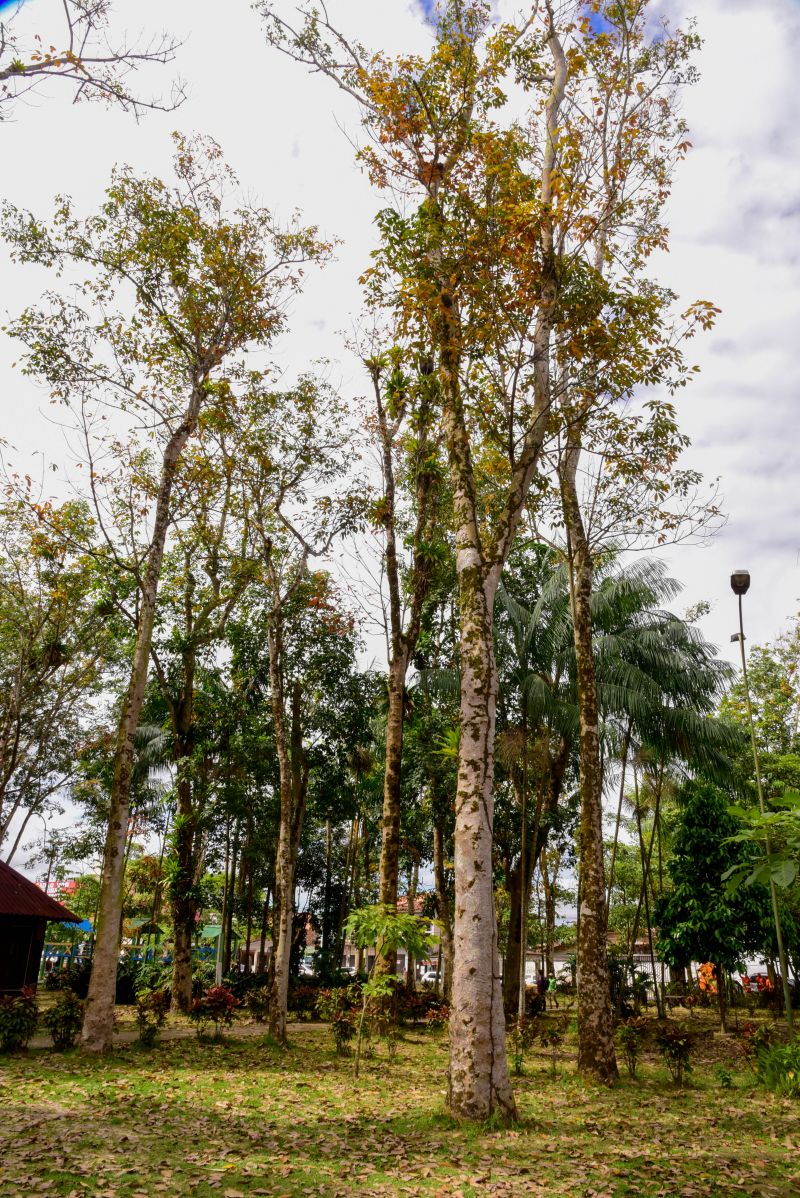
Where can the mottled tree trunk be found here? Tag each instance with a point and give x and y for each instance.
(596, 1056)
(549, 887)
(293, 779)
(98, 1023)
(386, 960)
(182, 893)
(402, 642)
(511, 967)
(478, 1080)
(443, 913)
(284, 872)
(413, 883)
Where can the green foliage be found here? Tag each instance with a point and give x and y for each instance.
(675, 1044)
(437, 1018)
(698, 919)
(780, 829)
(552, 1032)
(152, 1008)
(724, 1077)
(778, 1068)
(339, 1007)
(388, 930)
(18, 1015)
(520, 1036)
(64, 1019)
(630, 1035)
(75, 978)
(257, 1002)
(218, 1006)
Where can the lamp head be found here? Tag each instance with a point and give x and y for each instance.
(740, 582)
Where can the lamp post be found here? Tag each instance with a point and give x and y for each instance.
(740, 585)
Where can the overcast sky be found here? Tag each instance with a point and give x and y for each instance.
(734, 218)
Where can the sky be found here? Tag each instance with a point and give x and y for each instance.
(734, 220)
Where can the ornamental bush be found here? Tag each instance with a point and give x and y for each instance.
(778, 1068)
(18, 1015)
(338, 1006)
(152, 1008)
(64, 1020)
(630, 1035)
(217, 1005)
(676, 1047)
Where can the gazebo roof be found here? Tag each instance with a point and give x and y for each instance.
(19, 896)
(212, 930)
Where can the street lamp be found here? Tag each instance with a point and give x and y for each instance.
(740, 585)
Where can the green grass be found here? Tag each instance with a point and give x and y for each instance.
(245, 1118)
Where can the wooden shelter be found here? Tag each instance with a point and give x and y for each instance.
(25, 912)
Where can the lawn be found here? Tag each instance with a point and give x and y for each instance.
(243, 1117)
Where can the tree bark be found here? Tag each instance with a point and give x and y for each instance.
(402, 642)
(386, 961)
(293, 781)
(443, 912)
(478, 1081)
(98, 1023)
(511, 968)
(183, 897)
(549, 887)
(596, 1056)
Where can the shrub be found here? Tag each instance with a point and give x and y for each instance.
(64, 1020)
(216, 1005)
(303, 1000)
(152, 1008)
(257, 1003)
(521, 1035)
(75, 977)
(551, 1035)
(338, 1006)
(675, 1044)
(437, 1018)
(18, 1015)
(203, 975)
(724, 1077)
(778, 1068)
(630, 1035)
(535, 1003)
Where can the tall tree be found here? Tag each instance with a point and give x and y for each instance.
(56, 651)
(178, 288)
(699, 920)
(451, 267)
(405, 420)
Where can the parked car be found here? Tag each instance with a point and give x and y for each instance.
(428, 977)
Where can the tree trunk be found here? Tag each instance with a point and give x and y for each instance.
(478, 1080)
(386, 961)
(549, 887)
(596, 1056)
(183, 899)
(227, 930)
(98, 1023)
(293, 778)
(443, 912)
(722, 998)
(402, 641)
(511, 969)
(284, 874)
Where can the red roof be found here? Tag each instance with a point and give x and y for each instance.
(19, 896)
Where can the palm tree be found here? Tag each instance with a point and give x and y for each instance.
(658, 681)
